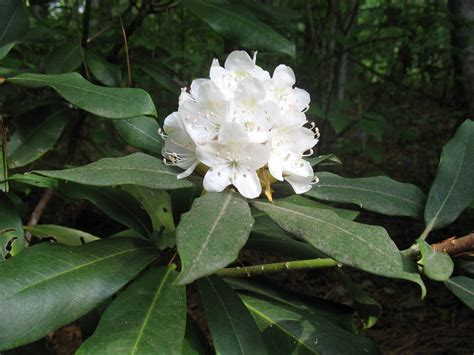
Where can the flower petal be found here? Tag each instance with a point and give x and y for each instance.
(284, 76)
(217, 179)
(300, 184)
(247, 183)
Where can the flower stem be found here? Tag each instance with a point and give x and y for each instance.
(276, 267)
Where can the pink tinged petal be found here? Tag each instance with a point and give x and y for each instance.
(247, 183)
(284, 76)
(217, 179)
(300, 184)
(239, 61)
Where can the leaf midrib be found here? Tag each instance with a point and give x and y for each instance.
(5, 297)
(150, 309)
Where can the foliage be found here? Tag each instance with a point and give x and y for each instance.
(80, 119)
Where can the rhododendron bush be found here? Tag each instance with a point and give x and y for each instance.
(210, 198)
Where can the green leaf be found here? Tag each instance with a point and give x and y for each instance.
(63, 59)
(463, 288)
(140, 132)
(157, 204)
(328, 159)
(34, 180)
(362, 246)
(210, 236)
(107, 73)
(161, 76)
(12, 238)
(436, 265)
(99, 100)
(148, 317)
(236, 24)
(14, 24)
(288, 330)
(368, 309)
(333, 312)
(195, 342)
(134, 169)
(116, 203)
(232, 328)
(34, 136)
(453, 187)
(3, 158)
(306, 202)
(378, 194)
(67, 281)
(60, 234)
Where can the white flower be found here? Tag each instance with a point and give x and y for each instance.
(233, 160)
(244, 127)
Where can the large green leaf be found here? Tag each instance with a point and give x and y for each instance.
(160, 75)
(99, 100)
(307, 202)
(463, 288)
(149, 317)
(333, 312)
(117, 204)
(107, 73)
(436, 265)
(210, 236)
(157, 204)
(362, 246)
(63, 59)
(14, 24)
(240, 26)
(379, 194)
(232, 328)
(34, 136)
(140, 132)
(134, 169)
(49, 285)
(3, 158)
(289, 330)
(453, 187)
(60, 234)
(12, 238)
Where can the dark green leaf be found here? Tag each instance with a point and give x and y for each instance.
(140, 132)
(116, 203)
(463, 288)
(34, 136)
(240, 26)
(12, 238)
(157, 204)
(436, 265)
(107, 73)
(3, 158)
(232, 328)
(210, 236)
(63, 59)
(134, 169)
(67, 282)
(306, 202)
(333, 312)
(379, 194)
(101, 101)
(328, 159)
(161, 76)
(288, 330)
(60, 234)
(34, 180)
(14, 24)
(149, 317)
(368, 309)
(362, 246)
(453, 187)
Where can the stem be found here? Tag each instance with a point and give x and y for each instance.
(276, 267)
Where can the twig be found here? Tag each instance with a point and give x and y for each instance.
(38, 212)
(453, 245)
(276, 267)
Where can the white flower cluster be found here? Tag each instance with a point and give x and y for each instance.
(242, 124)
